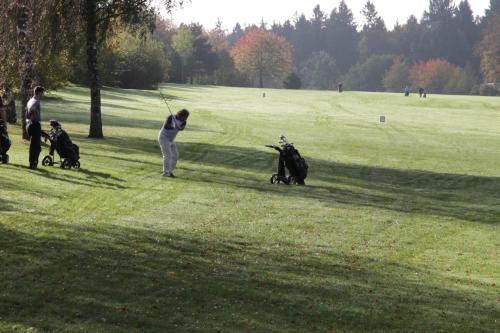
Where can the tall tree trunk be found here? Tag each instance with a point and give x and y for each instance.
(23, 13)
(95, 88)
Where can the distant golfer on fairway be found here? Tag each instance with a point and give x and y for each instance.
(173, 124)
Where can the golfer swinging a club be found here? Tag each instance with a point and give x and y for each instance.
(166, 139)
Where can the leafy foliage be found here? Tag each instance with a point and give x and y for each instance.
(292, 81)
(182, 43)
(368, 76)
(439, 76)
(489, 51)
(320, 71)
(398, 76)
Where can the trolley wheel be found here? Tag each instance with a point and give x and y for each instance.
(5, 159)
(274, 179)
(47, 160)
(65, 164)
(76, 165)
(292, 180)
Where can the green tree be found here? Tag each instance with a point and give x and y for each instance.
(145, 64)
(225, 73)
(372, 19)
(397, 77)
(369, 75)
(204, 60)
(302, 41)
(342, 37)
(292, 81)
(182, 43)
(96, 20)
(468, 35)
(320, 71)
(374, 38)
(441, 34)
(492, 11)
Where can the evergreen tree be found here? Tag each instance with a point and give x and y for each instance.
(372, 20)
(204, 60)
(441, 35)
(319, 71)
(492, 11)
(408, 39)
(468, 34)
(235, 35)
(182, 43)
(318, 29)
(302, 40)
(374, 38)
(342, 37)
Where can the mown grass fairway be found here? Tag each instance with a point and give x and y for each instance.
(396, 230)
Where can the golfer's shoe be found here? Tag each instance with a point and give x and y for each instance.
(168, 175)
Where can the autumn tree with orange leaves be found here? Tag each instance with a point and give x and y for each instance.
(261, 54)
(440, 76)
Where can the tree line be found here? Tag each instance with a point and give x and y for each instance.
(447, 50)
(125, 43)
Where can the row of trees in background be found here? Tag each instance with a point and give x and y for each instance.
(447, 51)
(125, 43)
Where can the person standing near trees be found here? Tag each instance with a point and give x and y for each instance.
(407, 91)
(34, 126)
(166, 139)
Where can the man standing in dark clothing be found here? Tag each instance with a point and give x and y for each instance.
(407, 91)
(34, 127)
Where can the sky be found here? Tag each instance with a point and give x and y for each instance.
(247, 12)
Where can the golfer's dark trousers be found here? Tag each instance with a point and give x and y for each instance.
(35, 133)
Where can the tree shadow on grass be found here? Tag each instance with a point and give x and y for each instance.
(130, 160)
(92, 179)
(6, 205)
(185, 87)
(80, 117)
(136, 120)
(466, 197)
(117, 279)
(73, 176)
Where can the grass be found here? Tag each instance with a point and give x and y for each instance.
(396, 230)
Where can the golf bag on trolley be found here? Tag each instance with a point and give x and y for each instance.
(289, 158)
(61, 143)
(4, 143)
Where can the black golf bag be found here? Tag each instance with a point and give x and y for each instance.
(289, 158)
(4, 143)
(61, 143)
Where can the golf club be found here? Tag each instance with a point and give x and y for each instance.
(166, 102)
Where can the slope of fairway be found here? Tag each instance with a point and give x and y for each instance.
(396, 230)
